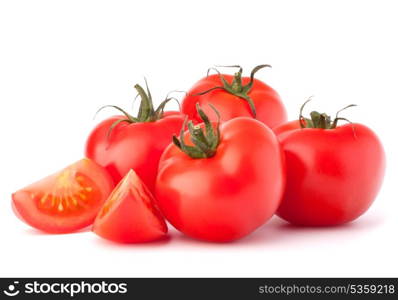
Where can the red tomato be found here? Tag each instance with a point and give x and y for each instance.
(65, 201)
(226, 185)
(234, 96)
(121, 143)
(333, 173)
(130, 214)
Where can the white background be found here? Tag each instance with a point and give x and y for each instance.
(61, 60)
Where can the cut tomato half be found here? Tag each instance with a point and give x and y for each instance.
(130, 214)
(66, 201)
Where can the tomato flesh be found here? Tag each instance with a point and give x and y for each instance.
(65, 201)
(130, 214)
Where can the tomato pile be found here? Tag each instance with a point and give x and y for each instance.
(216, 170)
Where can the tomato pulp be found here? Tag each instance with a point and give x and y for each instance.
(130, 214)
(65, 201)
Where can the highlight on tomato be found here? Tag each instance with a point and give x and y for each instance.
(220, 182)
(66, 201)
(130, 214)
(334, 171)
(125, 142)
(235, 96)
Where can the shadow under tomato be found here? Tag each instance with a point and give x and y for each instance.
(263, 235)
(34, 231)
(362, 223)
(278, 232)
(107, 243)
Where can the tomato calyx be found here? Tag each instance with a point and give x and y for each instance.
(205, 141)
(146, 112)
(236, 87)
(321, 120)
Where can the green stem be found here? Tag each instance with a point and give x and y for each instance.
(205, 142)
(146, 112)
(236, 87)
(320, 120)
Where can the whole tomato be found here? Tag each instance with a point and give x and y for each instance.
(124, 142)
(225, 182)
(333, 172)
(235, 96)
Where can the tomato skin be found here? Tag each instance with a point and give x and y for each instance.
(45, 216)
(333, 175)
(135, 146)
(269, 107)
(227, 196)
(130, 214)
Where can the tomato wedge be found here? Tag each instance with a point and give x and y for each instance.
(130, 214)
(66, 201)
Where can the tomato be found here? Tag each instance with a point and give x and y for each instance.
(65, 201)
(223, 184)
(130, 214)
(124, 142)
(333, 172)
(235, 96)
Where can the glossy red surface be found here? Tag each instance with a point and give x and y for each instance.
(229, 195)
(333, 175)
(269, 107)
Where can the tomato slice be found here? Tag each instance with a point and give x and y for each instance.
(130, 214)
(66, 201)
